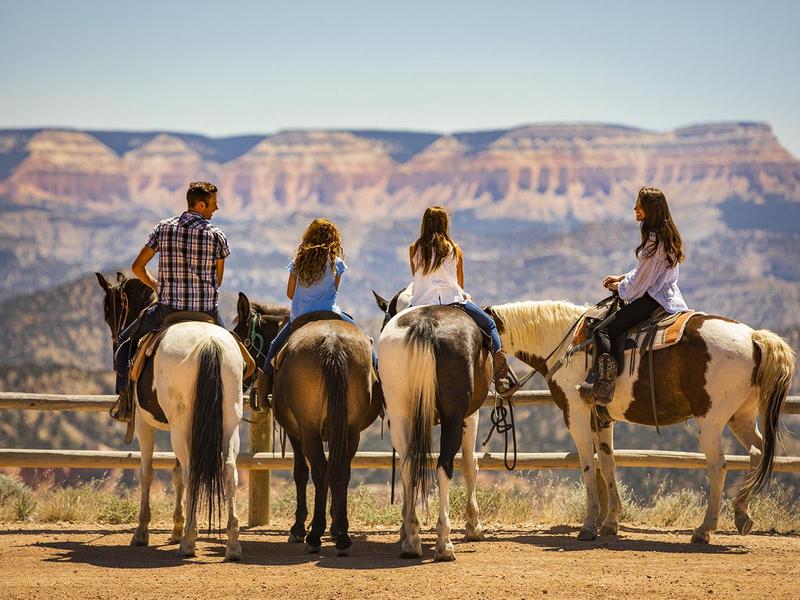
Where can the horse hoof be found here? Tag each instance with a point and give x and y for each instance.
(343, 551)
(410, 554)
(233, 554)
(446, 555)
(312, 549)
(186, 553)
(585, 535)
(295, 539)
(140, 540)
(608, 530)
(474, 536)
(744, 524)
(700, 537)
(175, 538)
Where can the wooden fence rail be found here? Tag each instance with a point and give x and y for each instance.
(84, 403)
(268, 461)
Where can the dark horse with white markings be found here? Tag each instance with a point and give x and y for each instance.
(325, 390)
(721, 373)
(433, 362)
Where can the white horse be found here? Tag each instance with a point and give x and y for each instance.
(196, 382)
(433, 362)
(721, 373)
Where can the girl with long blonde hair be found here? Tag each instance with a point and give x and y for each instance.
(652, 284)
(437, 266)
(314, 277)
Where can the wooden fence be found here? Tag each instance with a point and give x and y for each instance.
(261, 462)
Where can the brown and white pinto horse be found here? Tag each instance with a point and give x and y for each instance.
(721, 373)
(433, 362)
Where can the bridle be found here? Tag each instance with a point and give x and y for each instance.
(119, 315)
(254, 342)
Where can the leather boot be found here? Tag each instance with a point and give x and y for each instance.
(603, 389)
(122, 410)
(586, 389)
(505, 381)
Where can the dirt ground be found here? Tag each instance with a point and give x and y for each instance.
(79, 561)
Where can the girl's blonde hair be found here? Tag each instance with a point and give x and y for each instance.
(320, 247)
(434, 243)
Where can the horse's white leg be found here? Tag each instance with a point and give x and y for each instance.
(469, 469)
(710, 435)
(411, 545)
(580, 429)
(604, 440)
(179, 435)
(177, 515)
(233, 549)
(744, 427)
(444, 547)
(144, 434)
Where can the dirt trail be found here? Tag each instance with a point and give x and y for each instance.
(88, 561)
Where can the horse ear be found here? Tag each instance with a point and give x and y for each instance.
(103, 283)
(382, 303)
(243, 307)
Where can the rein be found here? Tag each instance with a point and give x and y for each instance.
(119, 318)
(255, 341)
(503, 422)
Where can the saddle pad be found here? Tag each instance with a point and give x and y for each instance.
(150, 341)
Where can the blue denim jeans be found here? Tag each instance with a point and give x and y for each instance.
(280, 339)
(484, 321)
(149, 320)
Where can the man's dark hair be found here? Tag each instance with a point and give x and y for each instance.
(199, 191)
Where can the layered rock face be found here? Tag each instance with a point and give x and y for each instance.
(581, 172)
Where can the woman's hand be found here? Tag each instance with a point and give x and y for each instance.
(613, 286)
(612, 279)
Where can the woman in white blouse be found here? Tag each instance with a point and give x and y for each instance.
(652, 284)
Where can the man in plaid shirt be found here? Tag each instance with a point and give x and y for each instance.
(190, 267)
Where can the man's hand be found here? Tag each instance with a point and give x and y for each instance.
(139, 267)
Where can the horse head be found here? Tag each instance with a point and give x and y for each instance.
(257, 325)
(400, 301)
(124, 300)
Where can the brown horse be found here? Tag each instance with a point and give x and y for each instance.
(721, 373)
(325, 390)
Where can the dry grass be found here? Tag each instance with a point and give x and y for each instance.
(541, 500)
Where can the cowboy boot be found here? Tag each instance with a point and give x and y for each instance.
(603, 389)
(121, 410)
(505, 381)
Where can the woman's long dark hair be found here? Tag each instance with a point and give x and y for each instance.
(434, 243)
(320, 247)
(658, 220)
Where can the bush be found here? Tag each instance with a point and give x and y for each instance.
(16, 499)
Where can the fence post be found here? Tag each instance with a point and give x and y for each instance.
(260, 481)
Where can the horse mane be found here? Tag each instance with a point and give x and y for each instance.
(544, 319)
(270, 310)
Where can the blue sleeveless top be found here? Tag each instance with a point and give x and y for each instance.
(318, 296)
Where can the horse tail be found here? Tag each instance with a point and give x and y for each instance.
(421, 341)
(333, 359)
(774, 369)
(205, 461)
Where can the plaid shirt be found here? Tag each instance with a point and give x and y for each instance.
(187, 268)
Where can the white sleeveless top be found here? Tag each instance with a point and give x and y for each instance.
(439, 286)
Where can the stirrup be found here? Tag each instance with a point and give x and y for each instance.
(507, 384)
(121, 409)
(586, 388)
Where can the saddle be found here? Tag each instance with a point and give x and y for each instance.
(320, 315)
(150, 342)
(660, 330)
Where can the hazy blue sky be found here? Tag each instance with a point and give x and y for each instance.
(254, 67)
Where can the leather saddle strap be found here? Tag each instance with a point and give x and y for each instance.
(647, 346)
